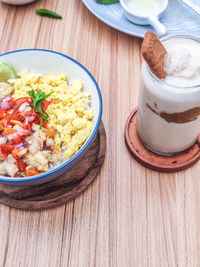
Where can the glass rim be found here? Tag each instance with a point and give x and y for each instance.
(165, 38)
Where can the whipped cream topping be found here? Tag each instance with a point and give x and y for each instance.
(182, 62)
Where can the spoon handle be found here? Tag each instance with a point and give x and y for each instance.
(158, 26)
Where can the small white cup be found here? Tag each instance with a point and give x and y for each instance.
(17, 2)
(151, 19)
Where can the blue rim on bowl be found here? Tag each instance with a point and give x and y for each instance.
(85, 145)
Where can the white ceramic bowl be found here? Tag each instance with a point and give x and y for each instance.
(148, 20)
(17, 2)
(52, 63)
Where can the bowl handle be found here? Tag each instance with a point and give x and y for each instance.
(158, 26)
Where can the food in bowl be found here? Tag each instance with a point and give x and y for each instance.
(44, 121)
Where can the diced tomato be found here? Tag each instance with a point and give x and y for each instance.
(37, 119)
(31, 171)
(46, 104)
(33, 113)
(3, 156)
(23, 137)
(8, 131)
(16, 139)
(9, 112)
(21, 101)
(17, 107)
(2, 112)
(27, 127)
(4, 122)
(12, 103)
(15, 151)
(6, 149)
(12, 116)
(18, 117)
(1, 126)
(44, 124)
(7, 118)
(21, 165)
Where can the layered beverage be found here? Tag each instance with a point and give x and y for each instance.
(169, 108)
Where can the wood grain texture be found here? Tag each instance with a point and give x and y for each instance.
(130, 216)
(63, 189)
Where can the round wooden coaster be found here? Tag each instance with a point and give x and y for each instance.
(154, 161)
(63, 189)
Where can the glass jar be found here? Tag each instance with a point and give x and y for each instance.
(168, 119)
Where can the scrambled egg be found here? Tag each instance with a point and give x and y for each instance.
(69, 113)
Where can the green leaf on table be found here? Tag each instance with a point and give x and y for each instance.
(48, 13)
(107, 2)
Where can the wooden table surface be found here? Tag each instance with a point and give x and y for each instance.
(129, 216)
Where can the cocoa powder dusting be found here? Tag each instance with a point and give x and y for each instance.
(178, 117)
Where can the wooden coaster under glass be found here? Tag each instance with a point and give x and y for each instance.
(151, 160)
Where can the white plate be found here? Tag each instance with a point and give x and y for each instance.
(178, 18)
